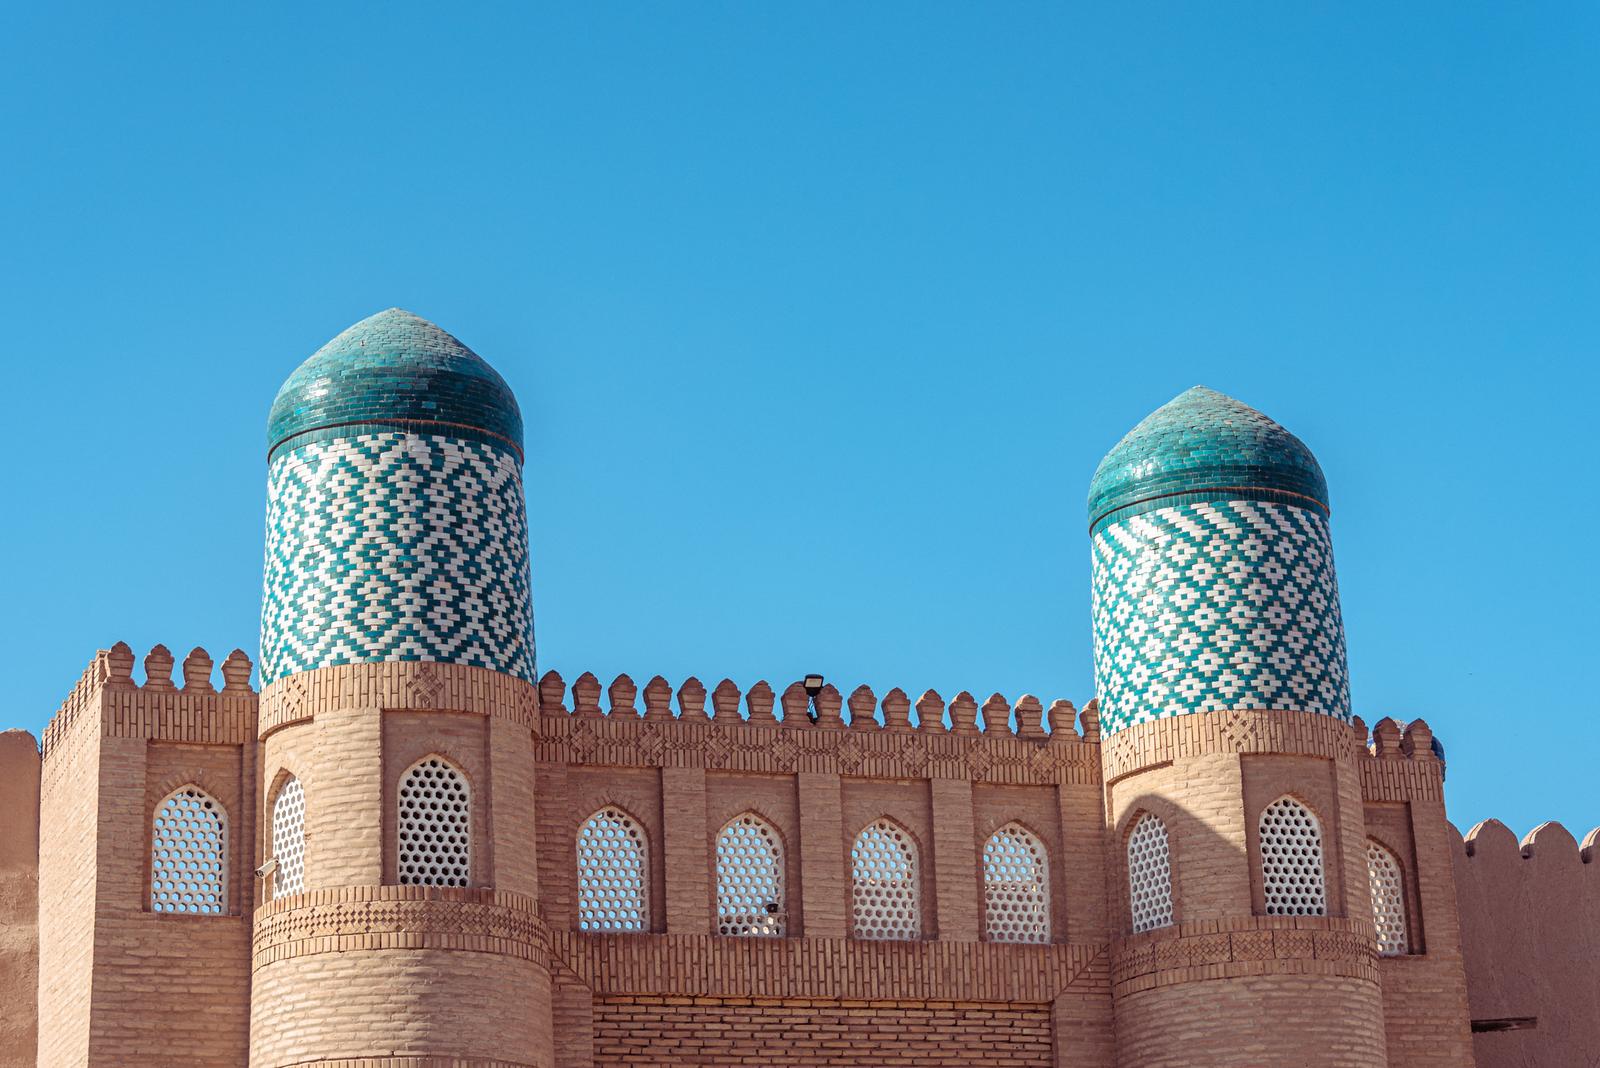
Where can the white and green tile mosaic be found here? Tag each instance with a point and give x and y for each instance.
(396, 546)
(1217, 605)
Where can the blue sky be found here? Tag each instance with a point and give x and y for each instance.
(821, 317)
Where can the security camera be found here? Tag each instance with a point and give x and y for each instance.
(267, 869)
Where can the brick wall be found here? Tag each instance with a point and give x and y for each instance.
(815, 1032)
(19, 902)
(1530, 930)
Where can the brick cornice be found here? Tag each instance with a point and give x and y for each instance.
(399, 917)
(834, 968)
(1253, 945)
(1174, 738)
(399, 685)
(629, 741)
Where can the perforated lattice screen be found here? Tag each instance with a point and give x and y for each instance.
(1149, 874)
(188, 855)
(289, 839)
(435, 825)
(1016, 886)
(612, 870)
(1388, 900)
(883, 882)
(1291, 860)
(750, 879)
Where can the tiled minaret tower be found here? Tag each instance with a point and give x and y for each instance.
(1233, 792)
(397, 920)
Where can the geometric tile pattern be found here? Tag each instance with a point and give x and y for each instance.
(1217, 605)
(396, 546)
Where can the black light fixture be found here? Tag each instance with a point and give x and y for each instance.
(813, 685)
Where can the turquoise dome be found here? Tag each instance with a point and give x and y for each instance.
(1202, 446)
(395, 370)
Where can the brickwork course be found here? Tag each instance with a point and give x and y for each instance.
(409, 848)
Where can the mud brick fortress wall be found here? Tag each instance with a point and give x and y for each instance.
(408, 848)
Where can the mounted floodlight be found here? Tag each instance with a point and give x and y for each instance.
(813, 685)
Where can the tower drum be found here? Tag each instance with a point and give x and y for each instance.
(1233, 794)
(397, 921)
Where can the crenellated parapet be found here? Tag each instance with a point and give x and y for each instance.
(195, 710)
(862, 735)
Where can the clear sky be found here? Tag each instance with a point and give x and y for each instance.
(821, 317)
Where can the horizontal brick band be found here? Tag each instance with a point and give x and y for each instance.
(410, 1062)
(399, 917)
(713, 966)
(878, 753)
(1254, 945)
(401, 684)
(1163, 741)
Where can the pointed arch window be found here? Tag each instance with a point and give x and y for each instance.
(289, 839)
(1016, 886)
(750, 890)
(435, 825)
(885, 887)
(189, 854)
(1291, 860)
(613, 871)
(1388, 900)
(1149, 874)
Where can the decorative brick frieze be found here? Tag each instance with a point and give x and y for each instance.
(1163, 741)
(623, 738)
(713, 966)
(410, 1062)
(1252, 945)
(400, 917)
(407, 684)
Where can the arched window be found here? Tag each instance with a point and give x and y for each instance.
(289, 839)
(1149, 874)
(750, 878)
(884, 889)
(1388, 900)
(435, 825)
(1291, 860)
(1016, 886)
(189, 854)
(612, 873)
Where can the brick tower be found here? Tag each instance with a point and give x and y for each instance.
(1233, 787)
(397, 920)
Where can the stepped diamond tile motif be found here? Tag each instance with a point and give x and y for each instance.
(1213, 606)
(394, 546)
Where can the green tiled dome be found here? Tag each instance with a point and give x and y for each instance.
(1204, 445)
(395, 370)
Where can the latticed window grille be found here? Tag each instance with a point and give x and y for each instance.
(435, 826)
(750, 879)
(1291, 860)
(1149, 874)
(289, 839)
(612, 872)
(885, 892)
(1388, 900)
(189, 854)
(1016, 886)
